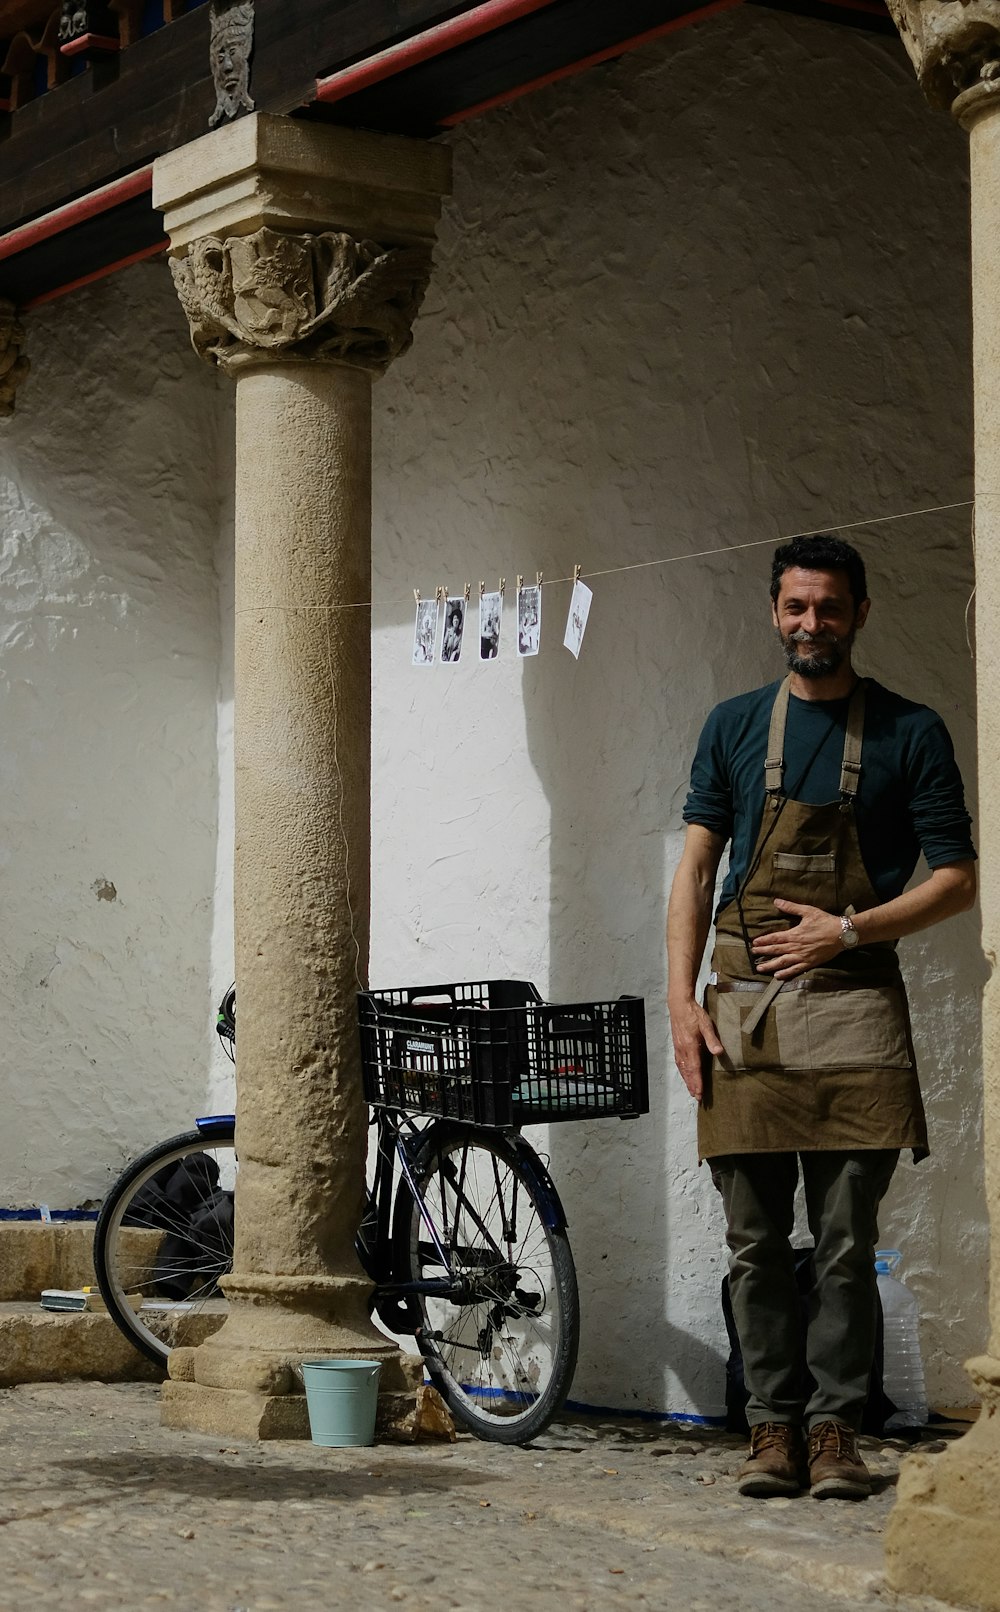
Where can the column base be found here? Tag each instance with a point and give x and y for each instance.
(408, 1410)
(941, 1537)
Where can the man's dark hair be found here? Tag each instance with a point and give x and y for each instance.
(822, 552)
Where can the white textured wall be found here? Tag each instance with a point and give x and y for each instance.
(109, 657)
(708, 294)
(712, 293)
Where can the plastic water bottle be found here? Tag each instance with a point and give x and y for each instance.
(903, 1371)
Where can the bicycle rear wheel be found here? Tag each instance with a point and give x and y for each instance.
(501, 1346)
(163, 1239)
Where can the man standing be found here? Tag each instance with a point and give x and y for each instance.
(827, 788)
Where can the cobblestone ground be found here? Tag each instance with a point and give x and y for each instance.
(102, 1508)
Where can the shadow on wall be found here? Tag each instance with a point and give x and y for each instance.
(598, 744)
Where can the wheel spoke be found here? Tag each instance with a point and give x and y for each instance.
(147, 1243)
(504, 1351)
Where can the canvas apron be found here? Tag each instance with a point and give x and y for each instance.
(823, 1060)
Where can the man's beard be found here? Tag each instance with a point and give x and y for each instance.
(835, 653)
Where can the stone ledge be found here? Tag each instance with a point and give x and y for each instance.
(38, 1346)
(401, 1418)
(34, 1254)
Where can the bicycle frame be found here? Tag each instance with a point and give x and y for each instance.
(395, 1134)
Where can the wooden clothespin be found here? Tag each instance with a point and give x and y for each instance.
(538, 579)
(503, 584)
(520, 583)
(441, 593)
(468, 591)
(482, 588)
(576, 574)
(416, 595)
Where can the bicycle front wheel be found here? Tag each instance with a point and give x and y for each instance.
(164, 1237)
(500, 1337)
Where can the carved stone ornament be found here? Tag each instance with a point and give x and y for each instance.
(81, 17)
(301, 296)
(13, 364)
(230, 49)
(954, 46)
(74, 21)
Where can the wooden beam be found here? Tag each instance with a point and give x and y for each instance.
(30, 14)
(88, 131)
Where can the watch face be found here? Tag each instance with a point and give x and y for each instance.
(850, 937)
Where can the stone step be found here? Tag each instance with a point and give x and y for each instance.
(42, 1346)
(39, 1345)
(35, 1254)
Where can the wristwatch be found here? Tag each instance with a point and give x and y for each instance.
(848, 934)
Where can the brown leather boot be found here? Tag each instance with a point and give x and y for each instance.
(836, 1470)
(777, 1461)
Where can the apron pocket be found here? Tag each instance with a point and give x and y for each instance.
(824, 863)
(861, 1027)
(779, 1041)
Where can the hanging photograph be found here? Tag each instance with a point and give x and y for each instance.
(425, 632)
(529, 619)
(454, 627)
(576, 621)
(490, 613)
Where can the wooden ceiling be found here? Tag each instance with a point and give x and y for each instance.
(99, 93)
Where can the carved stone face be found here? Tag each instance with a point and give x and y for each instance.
(228, 70)
(231, 44)
(953, 44)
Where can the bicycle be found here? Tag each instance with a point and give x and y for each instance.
(463, 1234)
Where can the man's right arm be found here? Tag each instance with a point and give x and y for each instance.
(689, 919)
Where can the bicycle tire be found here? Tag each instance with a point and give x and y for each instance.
(128, 1261)
(503, 1355)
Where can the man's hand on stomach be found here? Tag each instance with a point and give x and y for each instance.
(814, 939)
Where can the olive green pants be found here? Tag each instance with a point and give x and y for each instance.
(843, 1192)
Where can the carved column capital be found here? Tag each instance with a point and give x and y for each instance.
(14, 366)
(327, 297)
(954, 46)
(301, 241)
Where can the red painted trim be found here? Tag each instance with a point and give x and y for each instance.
(482, 19)
(98, 274)
(874, 8)
(103, 42)
(606, 55)
(76, 212)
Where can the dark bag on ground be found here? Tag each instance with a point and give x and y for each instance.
(878, 1406)
(185, 1202)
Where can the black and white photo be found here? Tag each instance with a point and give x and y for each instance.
(529, 619)
(490, 614)
(425, 632)
(576, 621)
(454, 628)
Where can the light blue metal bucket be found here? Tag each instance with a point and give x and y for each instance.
(341, 1397)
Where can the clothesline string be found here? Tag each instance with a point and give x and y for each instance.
(645, 565)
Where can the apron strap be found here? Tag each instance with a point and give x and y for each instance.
(850, 766)
(761, 1006)
(774, 763)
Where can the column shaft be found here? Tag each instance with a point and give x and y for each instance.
(302, 724)
(941, 1538)
(984, 143)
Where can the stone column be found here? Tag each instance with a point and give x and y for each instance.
(300, 253)
(941, 1538)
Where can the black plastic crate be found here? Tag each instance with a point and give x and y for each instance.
(493, 1053)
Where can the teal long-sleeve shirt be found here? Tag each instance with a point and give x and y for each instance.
(910, 797)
